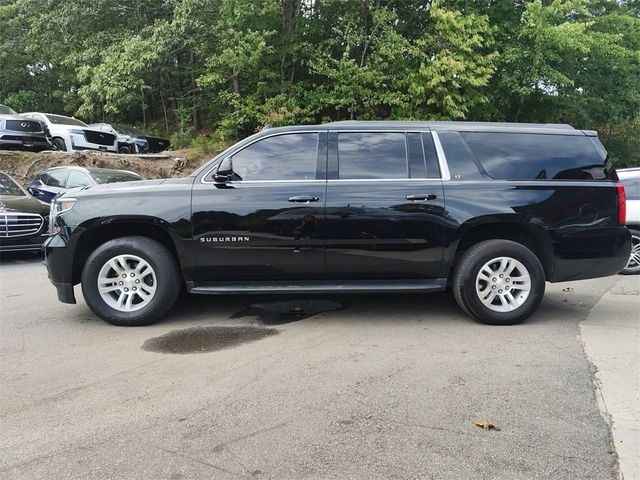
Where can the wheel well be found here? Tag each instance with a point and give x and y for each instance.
(93, 238)
(532, 238)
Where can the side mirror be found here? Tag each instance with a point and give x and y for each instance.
(224, 172)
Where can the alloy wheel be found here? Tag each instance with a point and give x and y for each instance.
(503, 284)
(127, 283)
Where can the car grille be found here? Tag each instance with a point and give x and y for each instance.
(99, 138)
(23, 126)
(19, 224)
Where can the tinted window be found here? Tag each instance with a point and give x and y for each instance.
(528, 156)
(9, 187)
(417, 167)
(461, 162)
(114, 176)
(430, 156)
(281, 157)
(372, 155)
(77, 179)
(631, 188)
(54, 178)
(61, 120)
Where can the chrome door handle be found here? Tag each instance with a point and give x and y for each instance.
(421, 197)
(303, 199)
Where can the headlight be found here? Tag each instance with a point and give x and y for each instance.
(58, 207)
(76, 131)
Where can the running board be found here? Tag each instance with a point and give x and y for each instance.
(389, 286)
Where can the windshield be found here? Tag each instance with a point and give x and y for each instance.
(114, 176)
(9, 187)
(60, 120)
(128, 130)
(4, 110)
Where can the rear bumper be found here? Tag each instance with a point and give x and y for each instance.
(24, 144)
(59, 263)
(592, 254)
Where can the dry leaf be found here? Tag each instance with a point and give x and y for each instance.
(487, 425)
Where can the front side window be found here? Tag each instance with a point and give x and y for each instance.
(371, 155)
(77, 179)
(281, 157)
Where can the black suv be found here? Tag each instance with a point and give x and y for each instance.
(490, 210)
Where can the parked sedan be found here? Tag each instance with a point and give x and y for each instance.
(18, 133)
(70, 134)
(23, 219)
(53, 181)
(630, 178)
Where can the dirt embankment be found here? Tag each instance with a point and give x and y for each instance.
(23, 166)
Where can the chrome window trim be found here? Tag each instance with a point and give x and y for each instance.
(442, 159)
(385, 180)
(242, 147)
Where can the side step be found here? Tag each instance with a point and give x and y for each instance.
(338, 286)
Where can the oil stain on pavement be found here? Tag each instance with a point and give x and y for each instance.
(279, 313)
(205, 339)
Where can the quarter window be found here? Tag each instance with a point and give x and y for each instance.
(530, 156)
(281, 157)
(365, 155)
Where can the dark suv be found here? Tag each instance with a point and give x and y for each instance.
(490, 210)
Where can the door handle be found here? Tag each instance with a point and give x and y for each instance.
(421, 197)
(303, 199)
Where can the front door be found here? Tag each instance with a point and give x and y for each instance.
(264, 221)
(385, 216)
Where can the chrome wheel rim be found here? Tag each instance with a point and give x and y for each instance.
(127, 283)
(503, 284)
(633, 264)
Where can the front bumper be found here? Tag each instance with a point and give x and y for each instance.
(23, 244)
(59, 263)
(79, 143)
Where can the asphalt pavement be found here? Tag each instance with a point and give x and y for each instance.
(339, 387)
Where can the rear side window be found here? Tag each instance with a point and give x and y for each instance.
(54, 178)
(281, 157)
(461, 162)
(529, 156)
(371, 155)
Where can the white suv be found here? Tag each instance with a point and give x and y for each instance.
(70, 134)
(630, 178)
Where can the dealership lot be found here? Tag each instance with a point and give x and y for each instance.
(374, 387)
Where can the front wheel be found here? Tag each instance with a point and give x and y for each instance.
(499, 282)
(58, 144)
(131, 281)
(633, 265)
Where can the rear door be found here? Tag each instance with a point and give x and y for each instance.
(385, 215)
(264, 222)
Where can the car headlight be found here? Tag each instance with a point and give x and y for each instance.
(58, 207)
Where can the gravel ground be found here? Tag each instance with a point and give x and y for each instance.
(373, 387)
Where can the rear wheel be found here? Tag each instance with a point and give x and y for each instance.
(633, 265)
(131, 281)
(499, 282)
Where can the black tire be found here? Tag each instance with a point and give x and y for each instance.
(58, 144)
(633, 267)
(157, 256)
(467, 269)
(124, 149)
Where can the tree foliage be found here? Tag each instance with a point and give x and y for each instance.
(232, 66)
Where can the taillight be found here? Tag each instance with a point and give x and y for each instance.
(622, 205)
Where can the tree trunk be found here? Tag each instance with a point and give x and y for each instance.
(235, 78)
